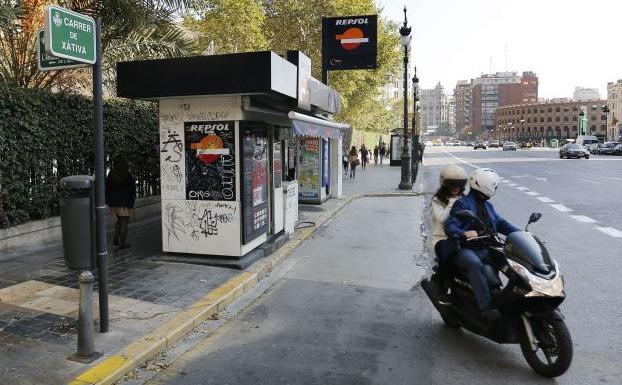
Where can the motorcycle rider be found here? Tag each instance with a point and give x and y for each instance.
(452, 181)
(483, 183)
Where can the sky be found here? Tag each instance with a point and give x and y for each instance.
(567, 43)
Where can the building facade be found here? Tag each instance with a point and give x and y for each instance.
(434, 110)
(451, 114)
(490, 92)
(583, 94)
(554, 119)
(462, 99)
(614, 102)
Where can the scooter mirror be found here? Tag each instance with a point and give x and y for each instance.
(534, 217)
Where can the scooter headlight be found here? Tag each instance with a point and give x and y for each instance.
(541, 287)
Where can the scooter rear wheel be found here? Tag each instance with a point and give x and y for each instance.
(553, 353)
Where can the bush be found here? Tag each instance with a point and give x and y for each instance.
(46, 136)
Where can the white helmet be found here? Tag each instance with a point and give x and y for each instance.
(484, 180)
(452, 176)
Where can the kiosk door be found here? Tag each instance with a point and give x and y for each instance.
(255, 183)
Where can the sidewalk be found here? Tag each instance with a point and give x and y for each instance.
(39, 296)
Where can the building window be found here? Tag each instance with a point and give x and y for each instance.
(528, 120)
(557, 119)
(542, 119)
(603, 117)
(557, 109)
(603, 127)
(529, 110)
(549, 119)
(550, 109)
(593, 117)
(565, 118)
(574, 118)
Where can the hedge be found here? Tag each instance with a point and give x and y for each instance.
(46, 136)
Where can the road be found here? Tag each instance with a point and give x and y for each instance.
(347, 308)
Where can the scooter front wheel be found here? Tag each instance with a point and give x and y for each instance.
(552, 355)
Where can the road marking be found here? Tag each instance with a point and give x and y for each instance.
(543, 179)
(532, 193)
(520, 176)
(583, 218)
(589, 181)
(460, 160)
(614, 178)
(560, 207)
(546, 200)
(552, 172)
(522, 188)
(513, 184)
(609, 231)
(505, 181)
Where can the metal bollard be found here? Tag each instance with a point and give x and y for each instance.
(86, 328)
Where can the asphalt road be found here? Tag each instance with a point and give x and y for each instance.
(347, 309)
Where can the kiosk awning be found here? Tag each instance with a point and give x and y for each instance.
(309, 126)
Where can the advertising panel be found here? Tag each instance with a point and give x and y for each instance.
(309, 168)
(349, 42)
(325, 164)
(210, 160)
(255, 183)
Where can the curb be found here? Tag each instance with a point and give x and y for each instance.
(135, 354)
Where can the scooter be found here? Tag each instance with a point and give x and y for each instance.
(526, 286)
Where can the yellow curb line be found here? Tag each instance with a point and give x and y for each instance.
(113, 368)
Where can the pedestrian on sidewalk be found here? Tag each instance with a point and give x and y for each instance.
(354, 161)
(376, 152)
(120, 197)
(452, 183)
(364, 156)
(383, 151)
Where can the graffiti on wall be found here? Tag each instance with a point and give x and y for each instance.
(197, 220)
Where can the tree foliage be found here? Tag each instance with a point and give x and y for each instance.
(131, 29)
(282, 25)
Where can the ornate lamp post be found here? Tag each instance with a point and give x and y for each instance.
(415, 148)
(582, 127)
(405, 183)
(606, 111)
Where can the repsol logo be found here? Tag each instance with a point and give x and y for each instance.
(352, 21)
(206, 128)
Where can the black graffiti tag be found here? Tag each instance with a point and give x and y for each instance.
(208, 223)
(173, 139)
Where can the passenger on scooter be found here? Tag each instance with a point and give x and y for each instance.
(452, 181)
(483, 184)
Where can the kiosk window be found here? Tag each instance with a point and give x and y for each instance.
(254, 182)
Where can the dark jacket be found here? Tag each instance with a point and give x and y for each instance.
(457, 226)
(121, 194)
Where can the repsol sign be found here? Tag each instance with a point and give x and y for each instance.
(352, 21)
(208, 127)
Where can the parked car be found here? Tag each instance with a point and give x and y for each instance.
(493, 143)
(462, 143)
(618, 150)
(608, 148)
(595, 148)
(470, 143)
(479, 144)
(509, 146)
(573, 150)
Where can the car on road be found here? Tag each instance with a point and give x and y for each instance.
(573, 150)
(462, 143)
(618, 150)
(509, 146)
(594, 148)
(608, 148)
(586, 140)
(479, 144)
(493, 143)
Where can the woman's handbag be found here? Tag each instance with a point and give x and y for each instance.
(355, 161)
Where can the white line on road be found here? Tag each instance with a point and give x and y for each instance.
(589, 181)
(521, 188)
(561, 207)
(532, 193)
(614, 178)
(583, 218)
(513, 184)
(552, 172)
(546, 200)
(609, 231)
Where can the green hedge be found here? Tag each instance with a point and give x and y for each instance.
(46, 136)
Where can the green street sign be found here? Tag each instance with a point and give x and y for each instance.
(69, 35)
(51, 63)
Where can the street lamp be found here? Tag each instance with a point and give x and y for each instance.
(416, 160)
(522, 125)
(405, 183)
(606, 111)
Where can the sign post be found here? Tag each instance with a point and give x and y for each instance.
(348, 43)
(73, 36)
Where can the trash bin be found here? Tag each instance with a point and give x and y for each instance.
(77, 217)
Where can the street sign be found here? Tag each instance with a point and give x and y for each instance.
(349, 42)
(69, 35)
(50, 63)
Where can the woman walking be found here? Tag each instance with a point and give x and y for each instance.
(120, 197)
(354, 161)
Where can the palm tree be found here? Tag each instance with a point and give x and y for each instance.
(131, 29)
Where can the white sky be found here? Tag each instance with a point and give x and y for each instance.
(567, 43)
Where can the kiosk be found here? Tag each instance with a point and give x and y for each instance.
(242, 138)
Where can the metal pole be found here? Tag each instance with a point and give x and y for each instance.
(100, 184)
(406, 183)
(415, 129)
(86, 328)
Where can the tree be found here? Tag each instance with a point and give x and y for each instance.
(131, 29)
(226, 26)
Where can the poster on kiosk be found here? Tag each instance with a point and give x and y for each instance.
(314, 169)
